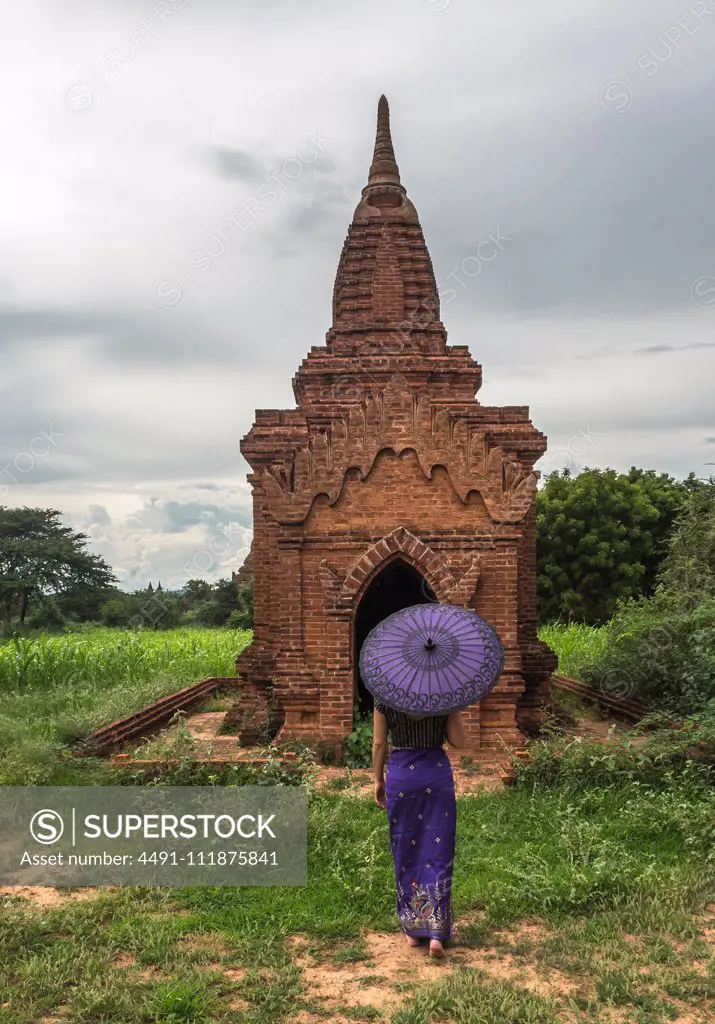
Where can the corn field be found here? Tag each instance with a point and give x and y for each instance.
(108, 657)
(576, 645)
(56, 689)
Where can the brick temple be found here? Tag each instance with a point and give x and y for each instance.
(389, 484)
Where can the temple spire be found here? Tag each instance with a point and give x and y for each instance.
(385, 278)
(384, 169)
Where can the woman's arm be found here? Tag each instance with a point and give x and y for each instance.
(379, 755)
(455, 729)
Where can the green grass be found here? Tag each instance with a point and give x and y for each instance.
(576, 645)
(594, 868)
(609, 849)
(520, 853)
(56, 689)
(469, 995)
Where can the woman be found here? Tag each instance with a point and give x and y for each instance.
(422, 812)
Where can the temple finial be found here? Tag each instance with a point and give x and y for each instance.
(384, 169)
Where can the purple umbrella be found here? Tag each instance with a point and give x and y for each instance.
(430, 659)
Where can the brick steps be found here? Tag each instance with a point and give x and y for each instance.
(161, 765)
(110, 738)
(151, 718)
(631, 710)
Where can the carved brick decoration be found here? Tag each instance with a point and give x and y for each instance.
(389, 464)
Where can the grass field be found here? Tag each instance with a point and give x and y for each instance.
(56, 689)
(571, 906)
(582, 896)
(575, 645)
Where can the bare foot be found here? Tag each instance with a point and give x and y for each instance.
(412, 941)
(436, 949)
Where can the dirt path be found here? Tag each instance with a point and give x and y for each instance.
(389, 971)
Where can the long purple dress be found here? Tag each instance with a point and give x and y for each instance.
(422, 814)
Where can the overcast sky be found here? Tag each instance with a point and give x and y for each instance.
(140, 326)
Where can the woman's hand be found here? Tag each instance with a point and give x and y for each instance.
(380, 798)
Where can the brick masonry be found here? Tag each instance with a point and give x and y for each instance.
(388, 455)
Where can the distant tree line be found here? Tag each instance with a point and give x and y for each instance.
(198, 603)
(49, 580)
(602, 539)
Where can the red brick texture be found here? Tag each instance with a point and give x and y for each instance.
(389, 455)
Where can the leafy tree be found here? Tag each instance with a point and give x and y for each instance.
(662, 648)
(84, 603)
(144, 609)
(669, 496)
(47, 615)
(223, 601)
(39, 556)
(156, 609)
(242, 617)
(195, 592)
(118, 611)
(687, 575)
(602, 536)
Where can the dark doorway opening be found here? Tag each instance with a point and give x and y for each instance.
(396, 586)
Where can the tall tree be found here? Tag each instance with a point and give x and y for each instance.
(687, 575)
(222, 602)
(602, 537)
(195, 592)
(40, 556)
(84, 603)
(669, 496)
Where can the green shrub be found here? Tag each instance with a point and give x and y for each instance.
(664, 787)
(662, 649)
(358, 745)
(325, 752)
(659, 654)
(680, 759)
(688, 572)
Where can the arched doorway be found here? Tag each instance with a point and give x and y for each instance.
(397, 585)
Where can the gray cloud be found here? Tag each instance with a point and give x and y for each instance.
(236, 164)
(98, 516)
(178, 516)
(674, 348)
(328, 206)
(121, 336)
(240, 165)
(610, 217)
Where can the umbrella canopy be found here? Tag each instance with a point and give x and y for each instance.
(430, 659)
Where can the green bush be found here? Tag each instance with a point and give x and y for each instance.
(662, 649)
(47, 615)
(681, 759)
(688, 572)
(358, 745)
(116, 612)
(602, 537)
(659, 654)
(665, 783)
